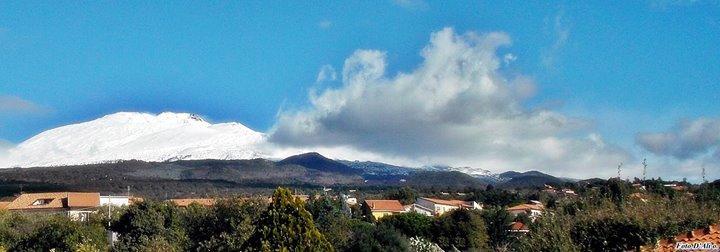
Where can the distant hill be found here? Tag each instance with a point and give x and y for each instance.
(186, 178)
(314, 160)
(513, 179)
(377, 168)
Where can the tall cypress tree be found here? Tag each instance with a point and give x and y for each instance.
(287, 226)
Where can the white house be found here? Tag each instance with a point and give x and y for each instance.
(435, 207)
(115, 200)
(532, 210)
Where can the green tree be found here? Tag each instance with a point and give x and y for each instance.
(610, 234)
(376, 238)
(332, 222)
(405, 195)
(550, 234)
(225, 226)
(285, 225)
(410, 224)
(148, 223)
(497, 220)
(463, 229)
(62, 234)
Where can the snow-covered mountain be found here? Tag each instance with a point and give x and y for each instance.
(141, 136)
(482, 174)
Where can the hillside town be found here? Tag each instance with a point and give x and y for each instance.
(576, 216)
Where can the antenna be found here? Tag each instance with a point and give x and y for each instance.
(619, 169)
(644, 163)
(703, 174)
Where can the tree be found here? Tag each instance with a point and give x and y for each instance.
(63, 234)
(463, 229)
(410, 224)
(149, 223)
(610, 234)
(497, 220)
(286, 225)
(225, 226)
(332, 222)
(376, 238)
(405, 195)
(549, 233)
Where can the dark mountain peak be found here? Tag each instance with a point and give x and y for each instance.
(514, 174)
(316, 161)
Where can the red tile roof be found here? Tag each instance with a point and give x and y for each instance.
(188, 202)
(54, 200)
(517, 226)
(527, 207)
(457, 203)
(710, 234)
(385, 205)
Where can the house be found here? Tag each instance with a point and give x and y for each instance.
(351, 201)
(76, 205)
(382, 208)
(517, 227)
(190, 201)
(3, 204)
(567, 193)
(638, 186)
(436, 207)
(532, 210)
(703, 238)
(116, 200)
(676, 187)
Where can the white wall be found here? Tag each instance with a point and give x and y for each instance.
(115, 200)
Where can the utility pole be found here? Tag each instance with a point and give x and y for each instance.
(644, 163)
(619, 169)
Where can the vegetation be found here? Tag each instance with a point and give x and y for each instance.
(610, 215)
(285, 225)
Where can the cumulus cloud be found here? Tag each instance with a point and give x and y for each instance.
(327, 73)
(688, 139)
(16, 105)
(455, 108)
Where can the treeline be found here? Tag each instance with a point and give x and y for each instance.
(607, 216)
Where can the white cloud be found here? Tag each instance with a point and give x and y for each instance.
(509, 58)
(16, 105)
(561, 32)
(456, 108)
(685, 149)
(688, 139)
(327, 73)
(5, 146)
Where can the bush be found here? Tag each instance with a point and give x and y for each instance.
(462, 229)
(410, 224)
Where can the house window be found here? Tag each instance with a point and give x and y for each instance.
(41, 202)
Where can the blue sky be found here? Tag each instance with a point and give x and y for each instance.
(628, 68)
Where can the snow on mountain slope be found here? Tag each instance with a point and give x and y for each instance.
(141, 136)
